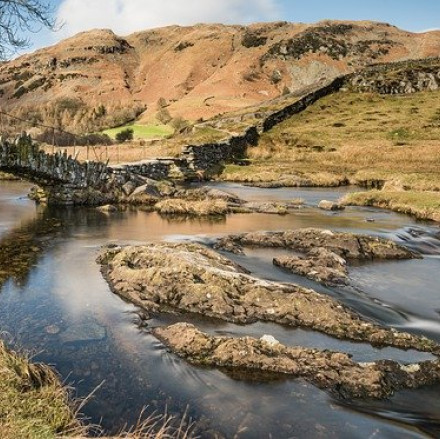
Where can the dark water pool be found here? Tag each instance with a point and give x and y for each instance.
(62, 310)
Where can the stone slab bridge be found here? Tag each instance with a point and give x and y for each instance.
(67, 181)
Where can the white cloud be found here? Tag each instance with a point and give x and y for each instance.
(126, 16)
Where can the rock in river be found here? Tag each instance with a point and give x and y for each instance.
(333, 371)
(192, 278)
(324, 254)
(84, 332)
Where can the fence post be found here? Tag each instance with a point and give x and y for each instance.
(53, 140)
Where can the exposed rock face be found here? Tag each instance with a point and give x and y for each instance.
(346, 245)
(232, 64)
(192, 278)
(333, 371)
(318, 264)
(402, 78)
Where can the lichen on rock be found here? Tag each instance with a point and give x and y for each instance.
(333, 371)
(323, 254)
(194, 279)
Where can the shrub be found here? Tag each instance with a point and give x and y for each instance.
(125, 135)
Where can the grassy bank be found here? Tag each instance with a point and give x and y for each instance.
(355, 136)
(422, 205)
(4, 176)
(33, 404)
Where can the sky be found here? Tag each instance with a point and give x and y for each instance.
(127, 16)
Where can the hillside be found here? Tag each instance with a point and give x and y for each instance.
(97, 79)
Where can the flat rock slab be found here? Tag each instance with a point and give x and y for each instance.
(346, 245)
(318, 264)
(192, 278)
(86, 332)
(332, 371)
(324, 253)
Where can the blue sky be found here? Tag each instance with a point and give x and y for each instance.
(126, 16)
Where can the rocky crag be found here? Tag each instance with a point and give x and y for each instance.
(96, 78)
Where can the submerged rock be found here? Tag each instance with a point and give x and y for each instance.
(192, 278)
(333, 371)
(85, 332)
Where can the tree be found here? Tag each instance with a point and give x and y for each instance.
(18, 17)
(124, 135)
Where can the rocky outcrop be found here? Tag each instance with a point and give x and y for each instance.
(330, 205)
(324, 253)
(194, 279)
(318, 264)
(345, 245)
(335, 372)
(398, 78)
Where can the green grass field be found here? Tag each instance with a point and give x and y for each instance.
(142, 131)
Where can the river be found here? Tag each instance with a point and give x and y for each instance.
(58, 307)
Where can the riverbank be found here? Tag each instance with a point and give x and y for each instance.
(365, 139)
(421, 205)
(33, 403)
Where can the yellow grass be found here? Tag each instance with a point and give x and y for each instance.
(195, 208)
(356, 136)
(422, 205)
(33, 404)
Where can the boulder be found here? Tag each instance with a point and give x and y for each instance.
(108, 208)
(330, 205)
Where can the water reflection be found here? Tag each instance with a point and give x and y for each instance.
(63, 311)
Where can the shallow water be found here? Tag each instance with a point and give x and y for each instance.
(64, 312)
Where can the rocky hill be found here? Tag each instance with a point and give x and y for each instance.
(97, 79)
